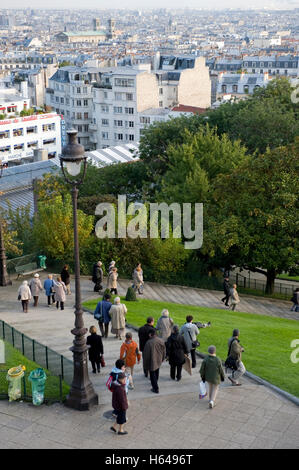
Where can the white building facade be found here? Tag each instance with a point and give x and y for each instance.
(20, 136)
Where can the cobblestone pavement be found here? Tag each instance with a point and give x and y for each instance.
(250, 416)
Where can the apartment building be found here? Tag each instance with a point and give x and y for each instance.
(20, 136)
(11, 102)
(240, 85)
(70, 94)
(121, 95)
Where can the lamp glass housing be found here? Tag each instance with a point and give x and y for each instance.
(73, 168)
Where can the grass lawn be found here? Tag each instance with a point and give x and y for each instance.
(266, 340)
(289, 278)
(13, 358)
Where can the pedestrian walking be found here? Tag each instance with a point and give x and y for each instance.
(119, 403)
(60, 291)
(138, 279)
(111, 266)
(119, 368)
(190, 331)
(153, 355)
(96, 350)
(24, 294)
(97, 276)
(164, 325)
(175, 352)
(212, 372)
(235, 351)
(226, 289)
(35, 287)
(130, 353)
(66, 278)
(295, 300)
(143, 335)
(101, 314)
(112, 281)
(235, 300)
(49, 289)
(118, 318)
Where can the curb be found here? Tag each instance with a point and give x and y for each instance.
(250, 375)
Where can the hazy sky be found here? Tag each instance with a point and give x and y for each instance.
(149, 4)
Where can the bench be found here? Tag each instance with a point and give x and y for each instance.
(29, 268)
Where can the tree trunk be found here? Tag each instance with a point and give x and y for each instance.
(271, 274)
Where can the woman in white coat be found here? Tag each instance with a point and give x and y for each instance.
(24, 294)
(35, 287)
(60, 291)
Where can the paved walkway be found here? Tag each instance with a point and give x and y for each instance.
(250, 416)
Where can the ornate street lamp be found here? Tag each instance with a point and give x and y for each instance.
(4, 280)
(82, 395)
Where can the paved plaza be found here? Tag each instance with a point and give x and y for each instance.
(251, 416)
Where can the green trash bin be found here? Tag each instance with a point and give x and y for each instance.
(38, 378)
(42, 261)
(14, 377)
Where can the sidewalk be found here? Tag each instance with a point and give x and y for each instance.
(250, 416)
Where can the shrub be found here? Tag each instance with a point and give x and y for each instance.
(131, 295)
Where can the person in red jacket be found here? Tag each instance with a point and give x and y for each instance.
(129, 352)
(119, 403)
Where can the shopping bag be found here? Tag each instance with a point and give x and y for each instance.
(202, 390)
(188, 365)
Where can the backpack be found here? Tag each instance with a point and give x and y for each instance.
(112, 377)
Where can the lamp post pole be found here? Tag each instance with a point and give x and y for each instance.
(4, 280)
(82, 395)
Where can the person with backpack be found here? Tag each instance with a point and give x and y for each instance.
(175, 352)
(118, 369)
(96, 350)
(119, 403)
(234, 358)
(164, 325)
(101, 314)
(129, 352)
(295, 300)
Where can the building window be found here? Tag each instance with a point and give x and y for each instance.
(67, 101)
(124, 82)
(17, 132)
(85, 115)
(62, 100)
(86, 127)
(85, 102)
(105, 135)
(131, 137)
(160, 91)
(4, 135)
(246, 89)
(78, 102)
(118, 109)
(85, 90)
(31, 130)
(105, 122)
(78, 90)
(223, 88)
(57, 99)
(131, 123)
(79, 128)
(129, 110)
(235, 88)
(145, 120)
(118, 96)
(79, 115)
(129, 96)
(118, 136)
(118, 123)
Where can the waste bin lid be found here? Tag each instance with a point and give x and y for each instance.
(38, 373)
(16, 371)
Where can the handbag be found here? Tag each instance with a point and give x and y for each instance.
(195, 344)
(19, 297)
(103, 363)
(202, 390)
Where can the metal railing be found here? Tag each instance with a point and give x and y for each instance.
(54, 362)
(258, 285)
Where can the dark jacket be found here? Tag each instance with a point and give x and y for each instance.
(65, 276)
(226, 287)
(97, 273)
(154, 353)
(211, 370)
(96, 347)
(176, 349)
(235, 349)
(143, 335)
(119, 396)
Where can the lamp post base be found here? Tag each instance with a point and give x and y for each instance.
(82, 400)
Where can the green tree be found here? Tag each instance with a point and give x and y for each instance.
(53, 228)
(255, 225)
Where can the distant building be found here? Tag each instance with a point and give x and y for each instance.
(240, 85)
(81, 36)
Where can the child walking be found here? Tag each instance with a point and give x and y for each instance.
(129, 352)
(119, 403)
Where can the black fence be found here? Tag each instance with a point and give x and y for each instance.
(247, 283)
(60, 367)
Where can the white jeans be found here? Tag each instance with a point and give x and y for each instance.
(239, 372)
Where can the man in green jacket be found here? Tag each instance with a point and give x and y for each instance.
(211, 371)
